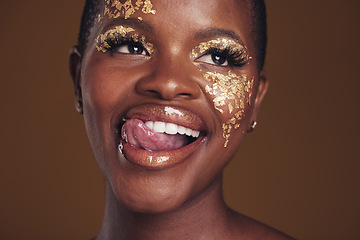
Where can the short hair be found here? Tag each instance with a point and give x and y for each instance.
(259, 30)
(258, 19)
(91, 10)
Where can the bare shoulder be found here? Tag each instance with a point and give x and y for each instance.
(249, 228)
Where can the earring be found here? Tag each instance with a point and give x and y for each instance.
(253, 125)
(79, 106)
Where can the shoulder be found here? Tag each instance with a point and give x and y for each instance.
(251, 229)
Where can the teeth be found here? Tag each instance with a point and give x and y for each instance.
(171, 128)
(150, 125)
(188, 131)
(181, 130)
(159, 127)
(195, 134)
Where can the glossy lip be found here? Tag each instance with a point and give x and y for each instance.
(161, 159)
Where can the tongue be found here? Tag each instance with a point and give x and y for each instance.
(136, 133)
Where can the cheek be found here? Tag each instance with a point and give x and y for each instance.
(98, 99)
(104, 87)
(231, 95)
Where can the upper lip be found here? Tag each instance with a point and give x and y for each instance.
(165, 113)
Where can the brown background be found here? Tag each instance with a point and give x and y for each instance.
(299, 170)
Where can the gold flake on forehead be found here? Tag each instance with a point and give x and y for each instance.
(147, 8)
(234, 89)
(220, 44)
(116, 9)
(117, 35)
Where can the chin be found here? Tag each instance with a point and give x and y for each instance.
(152, 200)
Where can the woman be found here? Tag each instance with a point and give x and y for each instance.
(168, 90)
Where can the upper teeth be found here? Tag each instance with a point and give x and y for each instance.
(171, 128)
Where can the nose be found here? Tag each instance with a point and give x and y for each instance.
(168, 80)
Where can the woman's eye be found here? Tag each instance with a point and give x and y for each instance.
(132, 48)
(214, 58)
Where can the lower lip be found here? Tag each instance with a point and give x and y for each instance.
(160, 159)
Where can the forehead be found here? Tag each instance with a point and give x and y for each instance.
(179, 19)
(200, 11)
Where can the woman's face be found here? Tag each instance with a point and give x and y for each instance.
(183, 67)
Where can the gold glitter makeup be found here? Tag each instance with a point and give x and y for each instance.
(147, 8)
(116, 36)
(116, 9)
(236, 52)
(234, 89)
(231, 92)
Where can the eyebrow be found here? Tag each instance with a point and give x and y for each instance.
(130, 22)
(145, 26)
(218, 32)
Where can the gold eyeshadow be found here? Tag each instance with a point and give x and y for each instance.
(116, 36)
(232, 92)
(236, 51)
(116, 9)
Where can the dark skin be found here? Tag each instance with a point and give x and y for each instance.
(182, 200)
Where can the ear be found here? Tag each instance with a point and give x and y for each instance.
(262, 89)
(75, 72)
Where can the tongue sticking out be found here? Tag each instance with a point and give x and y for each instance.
(136, 133)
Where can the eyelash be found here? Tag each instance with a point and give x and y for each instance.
(111, 44)
(234, 58)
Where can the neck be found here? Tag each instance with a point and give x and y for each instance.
(204, 217)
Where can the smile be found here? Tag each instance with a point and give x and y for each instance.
(171, 128)
(156, 136)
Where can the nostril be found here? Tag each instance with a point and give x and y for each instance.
(152, 92)
(184, 94)
(166, 96)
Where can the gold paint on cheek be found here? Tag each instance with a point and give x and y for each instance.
(231, 92)
(116, 9)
